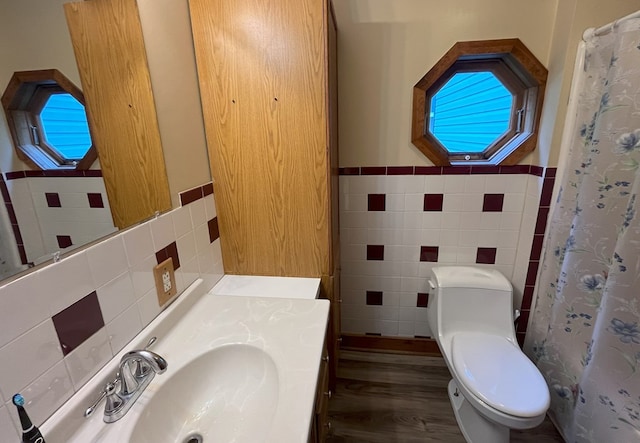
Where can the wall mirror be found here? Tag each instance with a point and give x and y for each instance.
(47, 211)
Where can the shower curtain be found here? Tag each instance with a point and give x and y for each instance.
(584, 335)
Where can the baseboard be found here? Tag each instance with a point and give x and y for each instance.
(400, 345)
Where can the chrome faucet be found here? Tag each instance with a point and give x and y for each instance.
(135, 372)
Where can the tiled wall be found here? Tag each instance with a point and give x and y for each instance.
(55, 210)
(396, 223)
(61, 324)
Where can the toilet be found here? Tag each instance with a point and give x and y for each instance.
(495, 387)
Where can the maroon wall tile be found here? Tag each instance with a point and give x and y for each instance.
(429, 253)
(376, 202)
(95, 200)
(486, 255)
(349, 171)
(433, 202)
(15, 174)
(532, 273)
(485, 169)
(527, 297)
(541, 221)
(423, 300)
(23, 254)
(536, 170)
(492, 202)
(456, 170)
(171, 250)
(53, 199)
(17, 234)
(550, 172)
(5, 192)
(399, 170)
(374, 297)
(190, 196)
(373, 170)
(93, 173)
(523, 321)
(536, 247)
(515, 169)
(207, 189)
(12, 214)
(214, 232)
(547, 191)
(375, 252)
(428, 170)
(78, 322)
(64, 241)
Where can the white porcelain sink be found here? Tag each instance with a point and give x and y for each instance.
(240, 369)
(216, 396)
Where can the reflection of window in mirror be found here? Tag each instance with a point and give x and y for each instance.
(47, 121)
(480, 104)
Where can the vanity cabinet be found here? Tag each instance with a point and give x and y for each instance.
(321, 425)
(268, 85)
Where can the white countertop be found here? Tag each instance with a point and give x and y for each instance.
(261, 286)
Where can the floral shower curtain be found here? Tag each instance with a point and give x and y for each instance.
(584, 335)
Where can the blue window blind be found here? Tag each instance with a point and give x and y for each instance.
(64, 123)
(470, 112)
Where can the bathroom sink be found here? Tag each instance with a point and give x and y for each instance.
(240, 369)
(213, 398)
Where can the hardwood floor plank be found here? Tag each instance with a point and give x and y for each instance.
(387, 398)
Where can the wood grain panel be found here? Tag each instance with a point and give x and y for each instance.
(262, 79)
(109, 48)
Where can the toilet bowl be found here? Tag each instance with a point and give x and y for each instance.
(495, 387)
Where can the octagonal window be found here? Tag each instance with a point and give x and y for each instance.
(65, 127)
(480, 104)
(470, 112)
(47, 121)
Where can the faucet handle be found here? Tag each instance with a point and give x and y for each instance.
(114, 402)
(103, 394)
(142, 368)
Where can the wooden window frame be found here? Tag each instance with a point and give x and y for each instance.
(23, 101)
(516, 68)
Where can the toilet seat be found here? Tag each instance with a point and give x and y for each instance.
(496, 371)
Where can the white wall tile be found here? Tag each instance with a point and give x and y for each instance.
(448, 254)
(451, 220)
(434, 184)
(45, 395)
(466, 255)
(407, 313)
(454, 184)
(142, 276)
(406, 328)
(8, 431)
(507, 239)
(472, 203)
(190, 271)
(513, 202)
(68, 281)
(386, 220)
(393, 184)
(29, 356)
(510, 220)
(123, 328)
(412, 220)
(495, 184)
(413, 184)
(107, 260)
(24, 305)
(447, 238)
(210, 206)
(506, 256)
(489, 238)
(488, 220)
(187, 247)
(430, 237)
(198, 213)
(162, 231)
(414, 202)
(474, 184)
(182, 223)
(468, 238)
(138, 244)
(116, 296)
(422, 329)
(387, 328)
(148, 307)
(84, 361)
(431, 220)
(409, 269)
(354, 219)
(453, 203)
(395, 202)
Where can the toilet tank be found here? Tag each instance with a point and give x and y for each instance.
(465, 298)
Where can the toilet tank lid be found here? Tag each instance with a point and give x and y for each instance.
(470, 277)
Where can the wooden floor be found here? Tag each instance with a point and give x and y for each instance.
(389, 398)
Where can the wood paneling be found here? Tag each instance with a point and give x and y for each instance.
(262, 74)
(109, 48)
(385, 398)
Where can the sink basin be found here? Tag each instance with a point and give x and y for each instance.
(226, 395)
(240, 369)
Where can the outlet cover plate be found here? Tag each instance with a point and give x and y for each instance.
(165, 281)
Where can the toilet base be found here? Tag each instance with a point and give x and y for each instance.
(475, 427)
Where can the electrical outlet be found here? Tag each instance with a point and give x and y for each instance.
(165, 281)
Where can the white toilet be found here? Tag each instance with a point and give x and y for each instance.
(495, 387)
